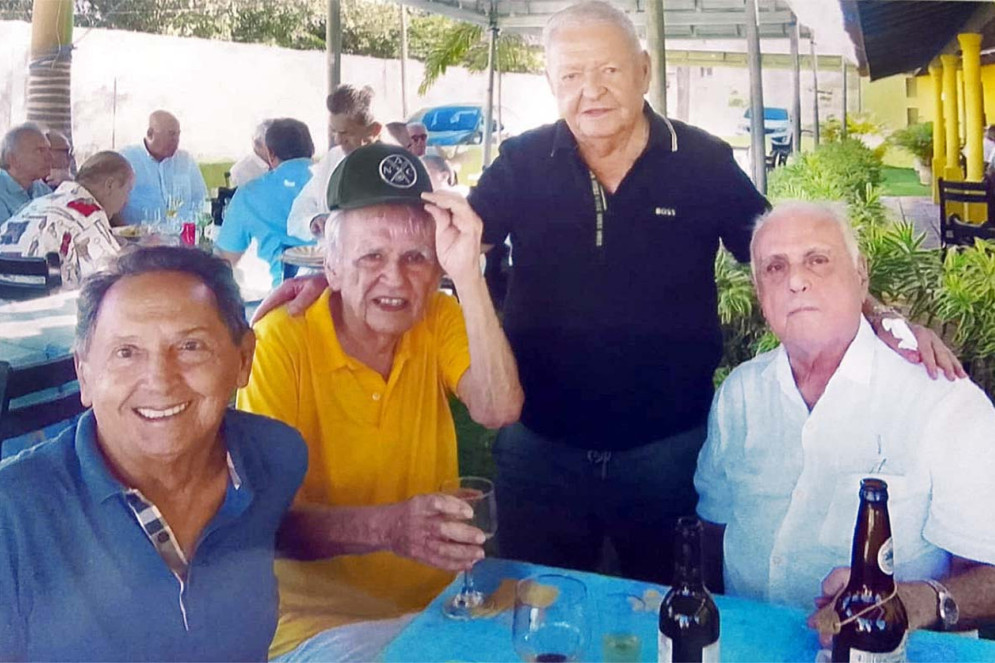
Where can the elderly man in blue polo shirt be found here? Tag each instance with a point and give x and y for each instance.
(168, 181)
(25, 162)
(259, 209)
(146, 530)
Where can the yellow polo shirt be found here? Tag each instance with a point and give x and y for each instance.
(369, 442)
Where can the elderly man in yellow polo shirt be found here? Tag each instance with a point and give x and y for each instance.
(365, 375)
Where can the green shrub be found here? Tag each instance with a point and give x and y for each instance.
(916, 139)
(835, 171)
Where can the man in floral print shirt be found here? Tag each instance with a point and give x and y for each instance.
(73, 221)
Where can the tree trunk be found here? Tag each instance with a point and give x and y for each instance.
(49, 100)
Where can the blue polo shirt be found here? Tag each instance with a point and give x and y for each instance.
(611, 304)
(13, 196)
(259, 210)
(80, 579)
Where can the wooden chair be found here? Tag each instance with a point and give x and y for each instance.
(29, 278)
(954, 231)
(48, 392)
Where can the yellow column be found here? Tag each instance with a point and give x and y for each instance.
(951, 170)
(970, 45)
(939, 130)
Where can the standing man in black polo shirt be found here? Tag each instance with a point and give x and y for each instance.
(615, 215)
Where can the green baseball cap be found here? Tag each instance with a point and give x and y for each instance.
(376, 174)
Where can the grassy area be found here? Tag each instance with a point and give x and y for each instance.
(214, 173)
(473, 442)
(901, 182)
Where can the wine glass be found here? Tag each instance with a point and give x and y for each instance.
(479, 494)
(550, 624)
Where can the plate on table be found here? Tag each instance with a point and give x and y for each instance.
(129, 233)
(304, 256)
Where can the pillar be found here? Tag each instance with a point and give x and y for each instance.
(970, 45)
(939, 130)
(951, 170)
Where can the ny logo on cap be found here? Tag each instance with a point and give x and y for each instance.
(398, 171)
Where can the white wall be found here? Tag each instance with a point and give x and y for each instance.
(221, 90)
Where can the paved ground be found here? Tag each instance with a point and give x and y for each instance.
(921, 211)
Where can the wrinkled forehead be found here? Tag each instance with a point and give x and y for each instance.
(797, 235)
(31, 141)
(389, 226)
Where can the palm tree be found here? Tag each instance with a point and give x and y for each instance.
(466, 44)
(49, 101)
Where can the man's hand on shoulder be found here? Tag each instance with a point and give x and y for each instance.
(427, 529)
(916, 343)
(297, 293)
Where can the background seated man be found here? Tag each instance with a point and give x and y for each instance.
(73, 221)
(63, 166)
(25, 162)
(792, 431)
(258, 211)
(167, 179)
(255, 163)
(366, 375)
(103, 528)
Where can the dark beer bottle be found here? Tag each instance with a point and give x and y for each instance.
(873, 625)
(689, 618)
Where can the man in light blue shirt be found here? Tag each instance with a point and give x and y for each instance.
(25, 162)
(793, 431)
(259, 209)
(167, 179)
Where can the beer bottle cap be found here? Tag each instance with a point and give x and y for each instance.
(873, 490)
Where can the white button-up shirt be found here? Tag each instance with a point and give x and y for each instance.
(785, 482)
(312, 201)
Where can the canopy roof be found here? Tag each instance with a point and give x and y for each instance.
(905, 35)
(689, 19)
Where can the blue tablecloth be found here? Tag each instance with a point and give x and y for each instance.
(37, 329)
(751, 631)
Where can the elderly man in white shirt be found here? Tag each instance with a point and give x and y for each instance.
(352, 125)
(792, 432)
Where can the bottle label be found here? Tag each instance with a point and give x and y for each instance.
(665, 651)
(897, 655)
(886, 557)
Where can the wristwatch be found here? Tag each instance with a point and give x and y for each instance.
(946, 606)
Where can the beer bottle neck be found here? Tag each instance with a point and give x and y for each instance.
(871, 563)
(687, 559)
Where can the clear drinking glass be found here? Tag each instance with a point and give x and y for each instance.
(620, 642)
(550, 624)
(479, 494)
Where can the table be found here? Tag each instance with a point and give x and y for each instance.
(751, 631)
(37, 329)
(44, 328)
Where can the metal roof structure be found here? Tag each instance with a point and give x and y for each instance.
(903, 36)
(684, 19)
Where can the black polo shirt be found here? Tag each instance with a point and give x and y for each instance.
(612, 317)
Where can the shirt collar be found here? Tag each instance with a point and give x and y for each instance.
(97, 477)
(662, 135)
(13, 186)
(856, 365)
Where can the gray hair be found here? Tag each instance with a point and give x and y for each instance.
(416, 219)
(353, 102)
(103, 166)
(800, 208)
(12, 139)
(590, 11)
(212, 271)
(259, 135)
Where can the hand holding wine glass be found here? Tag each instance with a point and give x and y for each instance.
(478, 493)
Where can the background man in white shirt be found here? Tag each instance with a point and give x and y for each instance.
(792, 432)
(351, 121)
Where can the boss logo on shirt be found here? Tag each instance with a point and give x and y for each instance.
(665, 211)
(398, 171)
